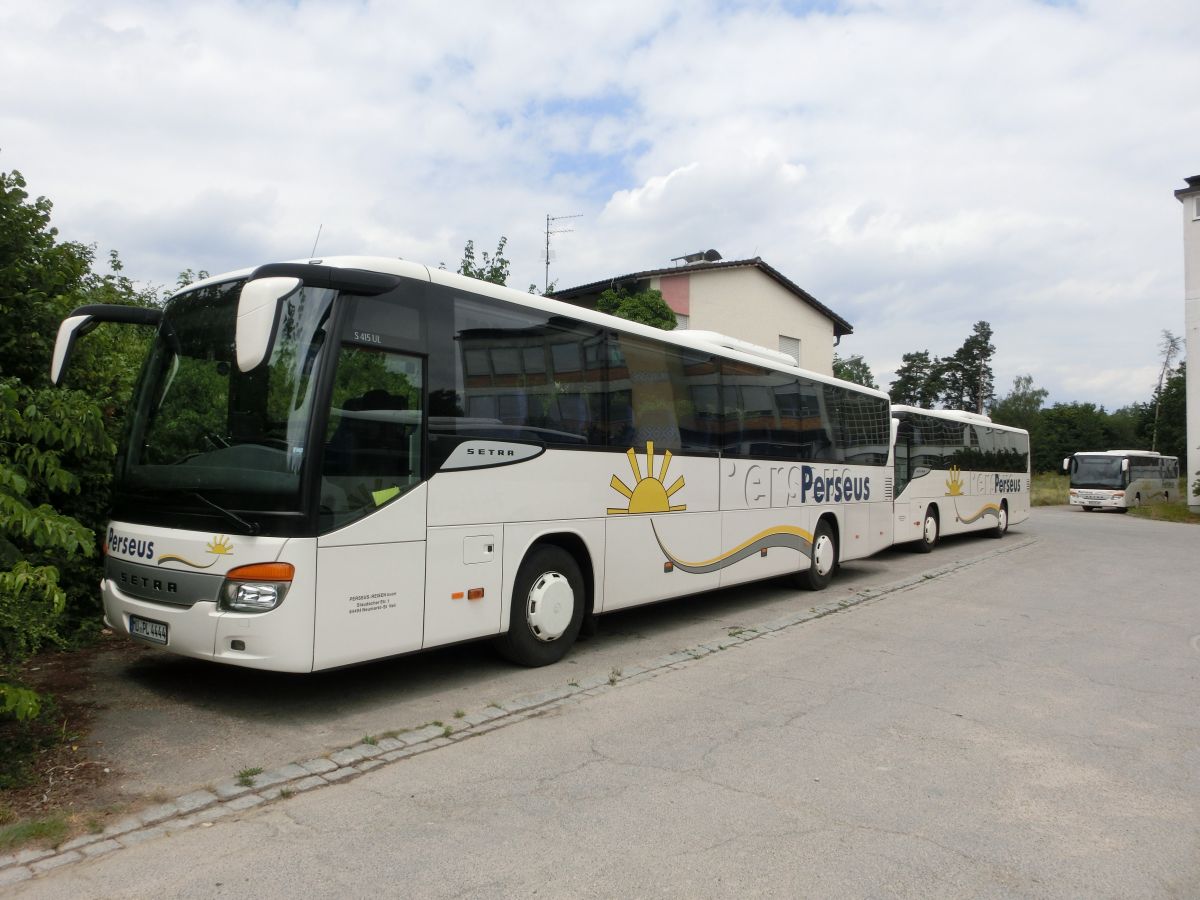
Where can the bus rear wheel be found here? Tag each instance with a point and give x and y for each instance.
(823, 559)
(930, 531)
(1001, 520)
(547, 608)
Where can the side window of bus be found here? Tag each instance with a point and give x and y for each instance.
(863, 426)
(670, 395)
(373, 443)
(521, 375)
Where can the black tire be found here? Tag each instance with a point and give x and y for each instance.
(1088, 508)
(823, 559)
(931, 531)
(1001, 521)
(547, 608)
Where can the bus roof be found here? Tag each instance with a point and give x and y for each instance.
(708, 342)
(1120, 453)
(956, 415)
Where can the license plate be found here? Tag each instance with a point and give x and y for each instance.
(148, 629)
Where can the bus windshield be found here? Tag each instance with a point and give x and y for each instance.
(204, 436)
(1097, 472)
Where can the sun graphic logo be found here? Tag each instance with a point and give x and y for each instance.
(220, 545)
(649, 494)
(954, 484)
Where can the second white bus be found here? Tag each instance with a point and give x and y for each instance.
(957, 472)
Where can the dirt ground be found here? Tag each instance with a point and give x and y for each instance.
(67, 779)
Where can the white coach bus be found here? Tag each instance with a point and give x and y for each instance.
(1120, 479)
(335, 461)
(957, 472)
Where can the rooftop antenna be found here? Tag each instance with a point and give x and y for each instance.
(316, 240)
(551, 229)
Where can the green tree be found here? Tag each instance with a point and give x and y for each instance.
(42, 279)
(1168, 348)
(1022, 406)
(647, 307)
(918, 380)
(1067, 428)
(967, 378)
(38, 276)
(41, 430)
(493, 268)
(855, 369)
(1164, 418)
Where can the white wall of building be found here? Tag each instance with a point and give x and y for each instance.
(748, 304)
(1191, 325)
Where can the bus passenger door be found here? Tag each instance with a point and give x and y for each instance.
(371, 551)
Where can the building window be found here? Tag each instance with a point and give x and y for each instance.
(1196, 208)
(790, 346)
(681, 321)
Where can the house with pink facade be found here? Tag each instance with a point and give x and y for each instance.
(744, 298)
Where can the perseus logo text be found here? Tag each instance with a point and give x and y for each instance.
(792, 485)
(1007, 485)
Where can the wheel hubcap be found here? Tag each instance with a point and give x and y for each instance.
(930, 530)
(550, 606)
(823, 555)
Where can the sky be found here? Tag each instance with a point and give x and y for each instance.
(916, 165)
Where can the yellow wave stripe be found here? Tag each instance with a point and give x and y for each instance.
(782, 529)
(187, 562)
(983, 511)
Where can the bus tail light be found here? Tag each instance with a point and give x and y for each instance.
(256, 588)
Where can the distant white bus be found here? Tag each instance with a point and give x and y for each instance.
(1120, 479)
(957, 472)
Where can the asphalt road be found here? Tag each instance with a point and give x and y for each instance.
(1024, 724)
(168, 725)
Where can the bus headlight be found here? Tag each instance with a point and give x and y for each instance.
(257, 588)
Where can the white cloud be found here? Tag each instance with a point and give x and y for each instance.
(917, 165)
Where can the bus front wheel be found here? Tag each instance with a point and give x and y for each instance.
(930, 531)
(547, 608)
(822, 560)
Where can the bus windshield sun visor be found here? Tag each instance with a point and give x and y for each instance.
(352, 281)
(266, 289)
(84, 319)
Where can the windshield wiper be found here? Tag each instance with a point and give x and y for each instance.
(251, 528)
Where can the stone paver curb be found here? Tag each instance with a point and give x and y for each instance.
(201, 808)
(14, 874)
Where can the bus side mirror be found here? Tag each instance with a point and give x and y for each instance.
(258, 310)
(1125, 464)
(71, 328)
(1067, 464)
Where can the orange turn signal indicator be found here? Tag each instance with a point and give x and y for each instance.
(475, 594)
(275, 571)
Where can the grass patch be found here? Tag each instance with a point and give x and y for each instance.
(48, 832)
(245, 778)
(1174, 511)
(1049, 489)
